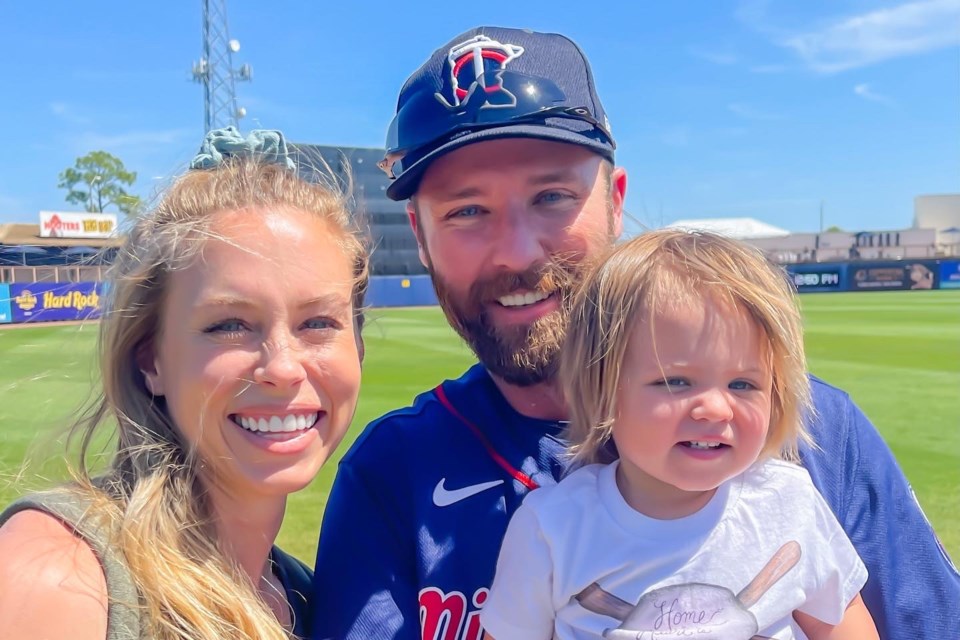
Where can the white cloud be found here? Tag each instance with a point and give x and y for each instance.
(865, 92)
(858, 41)
(748, 112)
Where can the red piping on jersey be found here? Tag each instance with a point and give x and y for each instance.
(515, 473)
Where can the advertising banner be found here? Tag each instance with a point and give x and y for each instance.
(62, 224)
(825, 277)
(6, 315)
(950, 274)
(401, 291)
(883, 276)
(49, 302)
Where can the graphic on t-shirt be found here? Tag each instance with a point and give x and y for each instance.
(691, 610)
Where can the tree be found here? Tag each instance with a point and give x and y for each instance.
(833, 229)
(97, 180)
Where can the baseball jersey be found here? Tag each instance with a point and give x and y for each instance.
(578, 563)
(422, 499)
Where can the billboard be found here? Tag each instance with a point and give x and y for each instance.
(6, 315)
(826, 277)
(950, 274)
(906, 274)
(48, 302)
(59, 224)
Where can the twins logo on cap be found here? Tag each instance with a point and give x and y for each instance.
(470, 65)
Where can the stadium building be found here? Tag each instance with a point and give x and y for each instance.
(394, 246)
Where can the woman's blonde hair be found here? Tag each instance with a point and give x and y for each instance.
(667, 268)
(150, 497)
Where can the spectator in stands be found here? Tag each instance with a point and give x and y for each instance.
(230, 357)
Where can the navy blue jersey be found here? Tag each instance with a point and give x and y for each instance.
(421, 502)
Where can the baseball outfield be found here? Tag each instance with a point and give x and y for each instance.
(896, 353)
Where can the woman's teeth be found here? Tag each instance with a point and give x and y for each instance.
(277, 424)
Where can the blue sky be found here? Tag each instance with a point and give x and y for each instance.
(760, 108)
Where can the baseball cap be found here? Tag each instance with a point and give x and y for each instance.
(488, 83)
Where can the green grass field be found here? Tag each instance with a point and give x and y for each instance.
(896, 353)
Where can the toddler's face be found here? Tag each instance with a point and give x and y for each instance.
(693, 405)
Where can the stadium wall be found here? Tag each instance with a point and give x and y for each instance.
(6, 314)
(51, 302)
(875, 275)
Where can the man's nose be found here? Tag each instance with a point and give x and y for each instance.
(519, 242)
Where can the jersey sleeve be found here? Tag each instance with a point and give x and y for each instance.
(520, 603)
(911, 580)
(364, 580)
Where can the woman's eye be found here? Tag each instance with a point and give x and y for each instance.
(321, 323)
(230, 326)
(742, 385)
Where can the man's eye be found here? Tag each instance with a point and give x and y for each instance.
(551, 197)
(465, 212)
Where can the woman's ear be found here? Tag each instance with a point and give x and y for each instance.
(150, 368)
(361, 348)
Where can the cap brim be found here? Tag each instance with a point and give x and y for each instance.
(406, 185)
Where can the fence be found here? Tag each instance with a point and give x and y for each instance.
(52, 300)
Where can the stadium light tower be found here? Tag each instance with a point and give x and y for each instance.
(215, 70)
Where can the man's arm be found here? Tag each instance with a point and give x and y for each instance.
(364, 581)
(912, 589)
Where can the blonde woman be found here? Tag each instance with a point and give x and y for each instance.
(230, 358)
(684, 516)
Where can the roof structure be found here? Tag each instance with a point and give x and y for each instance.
(19, 234)
(738, 228)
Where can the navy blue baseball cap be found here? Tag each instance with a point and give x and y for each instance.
(488, 83)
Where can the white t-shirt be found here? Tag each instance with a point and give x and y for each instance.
(764, 546)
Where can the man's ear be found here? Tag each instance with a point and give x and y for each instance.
(618, 194)
(413, 216)
(150, 368)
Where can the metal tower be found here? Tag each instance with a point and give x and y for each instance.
(215, 70)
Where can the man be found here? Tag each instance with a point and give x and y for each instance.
(502, 147)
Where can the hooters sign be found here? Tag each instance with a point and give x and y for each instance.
(60, 224)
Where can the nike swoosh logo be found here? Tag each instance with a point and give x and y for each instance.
(443, 497)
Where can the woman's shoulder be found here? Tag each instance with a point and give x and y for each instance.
(44, 568)
(297, 579)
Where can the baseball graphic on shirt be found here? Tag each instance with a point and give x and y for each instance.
(691, 609)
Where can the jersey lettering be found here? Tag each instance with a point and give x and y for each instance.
(443, 616)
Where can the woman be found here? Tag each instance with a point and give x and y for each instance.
(230, 357)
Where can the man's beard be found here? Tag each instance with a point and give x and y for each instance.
(522, 355)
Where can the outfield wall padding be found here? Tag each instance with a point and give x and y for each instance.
(874, 275)
(6, 314)
(401, 291)
(950, 274)
(51, 302)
